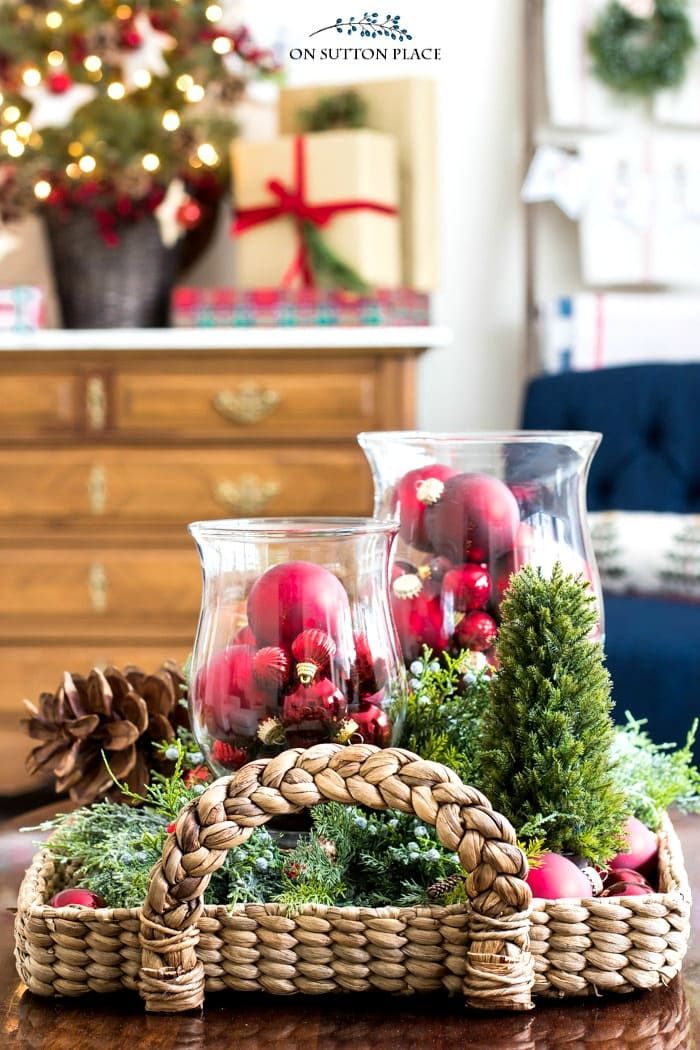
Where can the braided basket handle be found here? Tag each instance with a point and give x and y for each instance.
(499, 969)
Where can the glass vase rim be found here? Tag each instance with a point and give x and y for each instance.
(290, 529)
(476, 437)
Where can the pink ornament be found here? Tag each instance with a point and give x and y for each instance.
(227, 694)
(477, 631)
(418, 489)
(289, 598)
(373, 725)
(476, 517)
(557, 877)
(642, 851)
(313, 651)
(77, 897)
(466, 587)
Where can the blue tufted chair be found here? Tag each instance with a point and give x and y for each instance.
(649, 459)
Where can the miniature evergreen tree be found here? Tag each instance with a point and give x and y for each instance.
(548, 733)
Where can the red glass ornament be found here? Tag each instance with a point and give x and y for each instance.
(230, 699)
(77, 897)
(58, 83)
(321, 701)
(476, 517)
(313, 651)
(291, 597)
(419, 621)
(373, 725)
(477, 631)
(418, 489)
(271, 669)
(369, 672)
(627, 889)
(432, 573)
(189, 215)
(557, 876)
(228, 755)
(642, 849)
(131, 38)
(466, 587)
(628, 875)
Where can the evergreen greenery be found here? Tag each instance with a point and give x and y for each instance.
(547, 731)
(344, 109)
(639, 56)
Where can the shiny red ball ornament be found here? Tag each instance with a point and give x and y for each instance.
(466, 587)
(627, 889)
(189, 215)
(476, 517)
(321, 701)
(229, 698)
(271, 667)
(556, 877)
(628, 875)
(418, 489)
(131, 38)
(476, 631)
(419, 621)
(296, 595)
(642, 849)
(373, 725)
(313, 651)
(77, 897)
(369, 672)
(58, 83)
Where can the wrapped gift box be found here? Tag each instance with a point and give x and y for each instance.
(339, 168)
(22, 309)
(279, 307)
(404, 108)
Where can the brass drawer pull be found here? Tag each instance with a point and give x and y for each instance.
(96, 403)
(97, 489)
(97, 587)
(248, 495)
(247, 405)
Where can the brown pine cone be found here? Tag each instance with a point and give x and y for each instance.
(444, 886)
(122, 713)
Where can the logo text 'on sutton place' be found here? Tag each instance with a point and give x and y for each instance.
(393, 41)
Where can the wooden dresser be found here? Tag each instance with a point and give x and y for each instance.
(110, 442)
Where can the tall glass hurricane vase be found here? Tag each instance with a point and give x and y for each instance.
(473, 509)
(295, 644)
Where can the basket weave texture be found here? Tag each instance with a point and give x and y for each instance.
(497, 950)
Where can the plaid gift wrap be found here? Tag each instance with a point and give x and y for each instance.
(21, 309)
(301, 307)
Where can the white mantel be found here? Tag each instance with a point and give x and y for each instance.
(196, 339)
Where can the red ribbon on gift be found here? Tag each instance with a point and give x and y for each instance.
(292, 201)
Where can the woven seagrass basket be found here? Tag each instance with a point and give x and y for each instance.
(498, 950)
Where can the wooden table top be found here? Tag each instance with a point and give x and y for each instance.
(668, 1019)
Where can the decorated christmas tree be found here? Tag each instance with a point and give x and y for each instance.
(115, 107)
(548, 733)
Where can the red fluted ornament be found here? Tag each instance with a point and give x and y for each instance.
(271, 669)
(313, 651)
(77, 897)
(415, 491)
(476, 517)
(296, 595)
(229, 756)
(477, 631)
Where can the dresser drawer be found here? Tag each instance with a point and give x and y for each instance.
(28, 670)
(173, 486)
(35, 405)
(328, 399)
(53, 593)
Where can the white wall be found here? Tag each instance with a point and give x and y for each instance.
(476, 383)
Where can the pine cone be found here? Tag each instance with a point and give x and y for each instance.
(122, 713)
(444, 886)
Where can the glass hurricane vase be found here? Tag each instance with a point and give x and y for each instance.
(473, 509)
(295, 643)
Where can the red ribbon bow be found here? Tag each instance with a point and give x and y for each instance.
(292, 201)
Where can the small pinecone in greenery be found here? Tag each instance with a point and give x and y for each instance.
(547, 731)
(443, 887)
(121, 713)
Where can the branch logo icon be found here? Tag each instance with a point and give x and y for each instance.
(371, 26)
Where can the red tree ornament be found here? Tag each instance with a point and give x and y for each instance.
(289, 598)
(476, 517)
(476, 631)
(466, 587)
(77, 897)
(557, 876)
(228, 755)
(369, 672)
(313, 651)
(419, 621)
(271, 669)
(642, 849)
(418, 489)
(432, 574)
(189, 214)
(230, 699)
(59, 82)
(373, 725)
